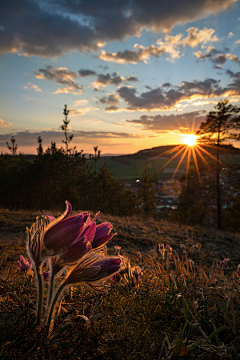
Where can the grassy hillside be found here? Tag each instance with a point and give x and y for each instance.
(178, 309)
(133, 168)
(156, 159)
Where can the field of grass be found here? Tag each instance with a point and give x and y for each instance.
(178, 308)
(127, 169)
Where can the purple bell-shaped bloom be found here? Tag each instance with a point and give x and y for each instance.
(60, 233)
(93, 269)
(102, 235)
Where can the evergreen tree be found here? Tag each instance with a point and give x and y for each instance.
(218, 127)
(147, 192)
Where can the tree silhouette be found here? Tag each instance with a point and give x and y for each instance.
(215, 130)
(147, 192)
(13, 147)
(65, 128)
(39, 148)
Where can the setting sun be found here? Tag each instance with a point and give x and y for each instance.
(190, 140)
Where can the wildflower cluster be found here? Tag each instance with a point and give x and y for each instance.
(70, 247)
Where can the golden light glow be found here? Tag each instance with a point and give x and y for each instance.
(190, 140)
(190, 150)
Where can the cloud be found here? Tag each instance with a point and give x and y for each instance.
(199, 55)
(111, 79)
(218, 66)
(230, 35)
(194, 37)
(4, 124)
(167, 123)
(234, 58)
(28, 138)
(236, 79)
(81, 111)
(237, 42)
(220, 59)
(110, 99)
(211, 50)
(32, 86)
(87, 25)
(171, 45)
(108, 79)
(86, 72)
(169, 98)
(80, 102)
(131, 78)
(61, 76)
(142, 54)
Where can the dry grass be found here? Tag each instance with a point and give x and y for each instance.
(179, 309)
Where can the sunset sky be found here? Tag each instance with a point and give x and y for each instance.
(134, 74)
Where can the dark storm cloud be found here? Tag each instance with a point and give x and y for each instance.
(163, 123)
(85, 72)
(53, 28)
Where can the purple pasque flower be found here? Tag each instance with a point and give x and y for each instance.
(161, 247)
(93, 269)
(35, 243)
(24, 264)
(60, 233)
(78, 249)
(102, 235)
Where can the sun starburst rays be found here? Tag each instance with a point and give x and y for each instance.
(191, 150)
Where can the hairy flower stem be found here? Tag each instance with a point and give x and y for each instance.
(51, 284)
(39, 294)
(53, 304)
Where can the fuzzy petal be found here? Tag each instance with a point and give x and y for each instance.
(60, 218)
(96, 243)
(76, 252)
(103, 229)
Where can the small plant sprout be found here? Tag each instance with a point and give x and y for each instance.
(137, 272)
(139, 255)
(71, 246)
(117, 250)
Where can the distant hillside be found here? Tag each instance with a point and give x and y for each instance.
(129, 167)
